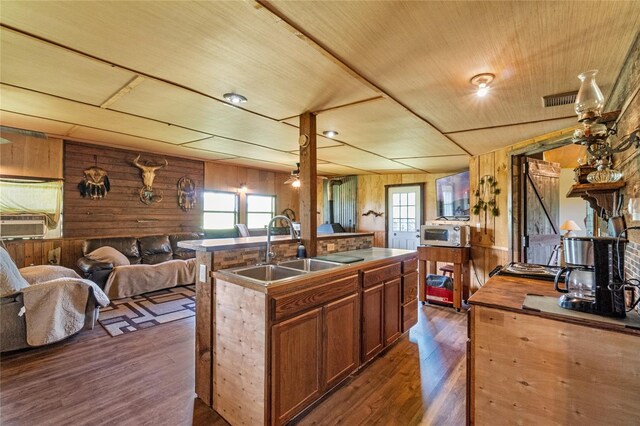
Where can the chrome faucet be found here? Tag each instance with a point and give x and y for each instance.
(270, 255)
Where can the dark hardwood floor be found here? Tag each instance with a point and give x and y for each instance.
(147, 377)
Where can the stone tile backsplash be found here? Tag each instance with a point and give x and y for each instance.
(233, 258)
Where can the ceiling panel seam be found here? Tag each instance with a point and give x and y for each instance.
(499, 126)
(333, 108)
(300, 33)
(182, 144)
(142, 75)
(125, 68)
(430, 156)
(76, 126)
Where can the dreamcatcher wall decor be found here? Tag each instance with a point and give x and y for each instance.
(95, 183)
(486, 198)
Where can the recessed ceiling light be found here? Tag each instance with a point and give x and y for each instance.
(235, 98)
(482, 81)
(330, 133)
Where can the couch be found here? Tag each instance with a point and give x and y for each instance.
(44, 304)
(147, 253)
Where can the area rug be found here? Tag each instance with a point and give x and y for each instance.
(135, 313)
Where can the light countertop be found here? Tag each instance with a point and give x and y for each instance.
(509, 293)
(372, 257)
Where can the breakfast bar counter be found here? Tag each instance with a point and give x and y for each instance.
(536, 367)
(218, 244)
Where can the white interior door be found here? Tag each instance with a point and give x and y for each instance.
(404, 217)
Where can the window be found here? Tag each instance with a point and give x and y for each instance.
(33, 197)
(404, 211)
(260, 210)
(220, 210)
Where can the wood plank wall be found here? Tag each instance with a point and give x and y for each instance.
(121, 212)
(28, 156)
(489, 235)
(35, 252)
(228, 178)
(371, 196)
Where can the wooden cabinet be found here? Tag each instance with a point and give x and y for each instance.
(340, 341)
(375, 276)
(392, 308)
(372, 321)
(409, 299)
(389, 305)
(280, 349)
(313, 351)
(296, 364)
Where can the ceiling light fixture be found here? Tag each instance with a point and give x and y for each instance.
(243, 187)
(482, 82)
(235, 98)
(296, 183)
(330, 133)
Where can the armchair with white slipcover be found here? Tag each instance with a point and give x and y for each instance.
(44, 304)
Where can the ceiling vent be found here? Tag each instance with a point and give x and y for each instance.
(558, 99)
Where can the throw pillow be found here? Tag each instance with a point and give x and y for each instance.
(110, 255)
(11, 281)
(43, 273)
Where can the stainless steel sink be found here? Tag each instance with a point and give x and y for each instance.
(310, 265)
(268, 273)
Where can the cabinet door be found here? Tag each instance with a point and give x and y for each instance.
(392, 312)
(341, 329)
(409, 287)
(296, 358)
(372, 321)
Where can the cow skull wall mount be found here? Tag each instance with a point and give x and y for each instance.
(186, 193)
(147, 194)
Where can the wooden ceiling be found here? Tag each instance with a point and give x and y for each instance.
(391, 77)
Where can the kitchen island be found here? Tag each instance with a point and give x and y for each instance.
(278, 348)
(224, 253)
(527, 366)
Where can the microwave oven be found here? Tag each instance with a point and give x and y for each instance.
(448, 235)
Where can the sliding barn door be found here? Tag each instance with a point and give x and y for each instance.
(541, 201)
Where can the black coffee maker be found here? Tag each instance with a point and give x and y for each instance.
(596, 264)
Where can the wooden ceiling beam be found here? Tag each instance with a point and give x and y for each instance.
(308, 183)
(342, 63)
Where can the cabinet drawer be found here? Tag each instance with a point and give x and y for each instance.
(409, 287)
(409, 315)
(286, 305)
(383, 273)
(410, 265)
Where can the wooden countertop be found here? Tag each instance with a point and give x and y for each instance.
(373, 257)
(508, 293)
(216, 244)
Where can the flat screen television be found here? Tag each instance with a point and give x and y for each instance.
(452, 196)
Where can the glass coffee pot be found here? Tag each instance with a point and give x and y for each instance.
(579, 282)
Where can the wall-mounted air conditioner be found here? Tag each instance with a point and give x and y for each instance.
(23, 226)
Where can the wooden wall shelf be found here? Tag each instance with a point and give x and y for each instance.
(602, 197)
